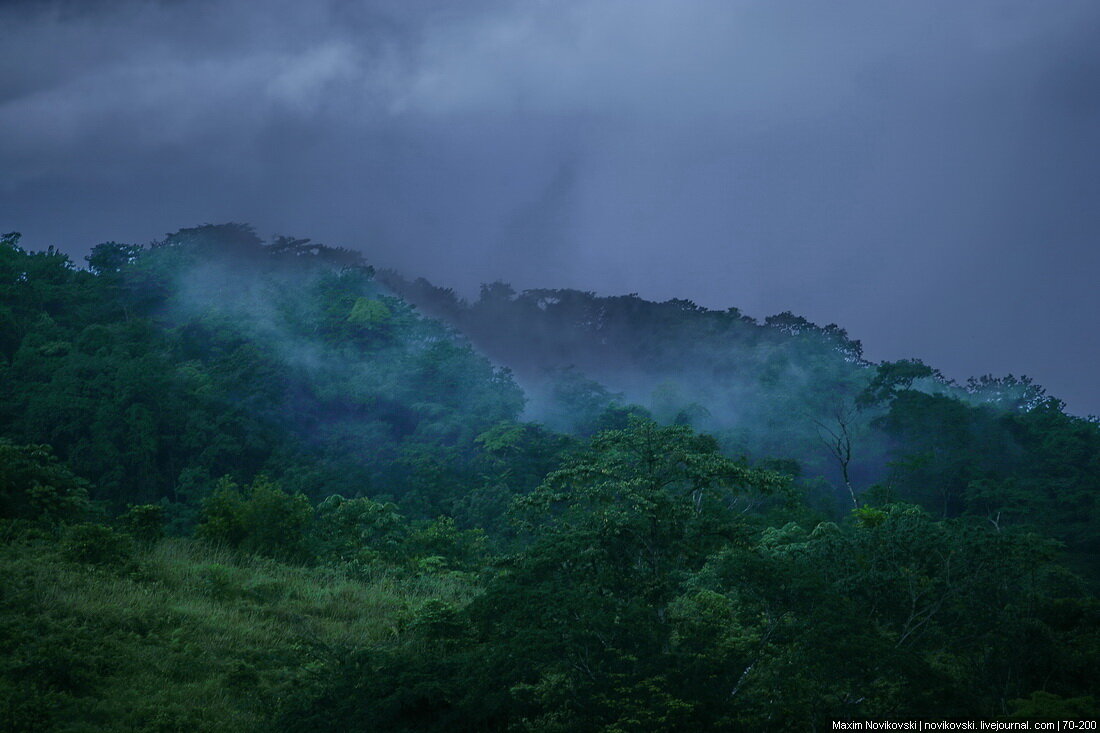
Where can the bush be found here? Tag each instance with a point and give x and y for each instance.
(441, 543)
(144, 522)
(261, 519)
(96, 544)
(347, 530)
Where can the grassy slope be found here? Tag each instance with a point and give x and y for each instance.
(183, 637)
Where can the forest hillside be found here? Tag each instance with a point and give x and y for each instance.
(252, 485)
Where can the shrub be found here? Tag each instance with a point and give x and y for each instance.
(96, 544)
(347, 530)
(443, 543)
(144, 522)
(261, 519)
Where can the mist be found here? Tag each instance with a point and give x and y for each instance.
(922, 175)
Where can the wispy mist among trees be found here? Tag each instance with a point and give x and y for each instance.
(256, 486)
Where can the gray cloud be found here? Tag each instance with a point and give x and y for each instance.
(924, 174)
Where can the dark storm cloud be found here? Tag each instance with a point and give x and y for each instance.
(924, 174)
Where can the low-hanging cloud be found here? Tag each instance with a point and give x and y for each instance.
(923, 174)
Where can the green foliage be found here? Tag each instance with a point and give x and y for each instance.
(892, 377)
(576, 403)
(260, 518)
(144, 522)
(650, 484)
(191, 637)
(438, 619)
(491, 574)
(619, 529)
(1038, 469)
(34, 485)
(211, 354)
(449, 546)
(369, 314)
(870, 517)
(111, 257)
(358, 530)
(96, 544)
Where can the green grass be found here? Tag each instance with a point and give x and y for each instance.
(183, 637)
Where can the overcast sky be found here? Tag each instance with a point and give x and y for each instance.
(925, 174)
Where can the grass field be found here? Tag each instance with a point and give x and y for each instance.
(182, 636)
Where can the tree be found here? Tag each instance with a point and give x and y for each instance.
(892, 377)
(661, 495)
(35, 485)
(110, 257)
(837, 436)
(581, 622)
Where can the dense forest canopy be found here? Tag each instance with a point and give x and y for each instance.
(547, 510)
(787, 389)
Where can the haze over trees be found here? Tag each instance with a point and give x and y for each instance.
(258, 486)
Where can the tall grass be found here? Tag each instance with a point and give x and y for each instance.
(185, 636)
